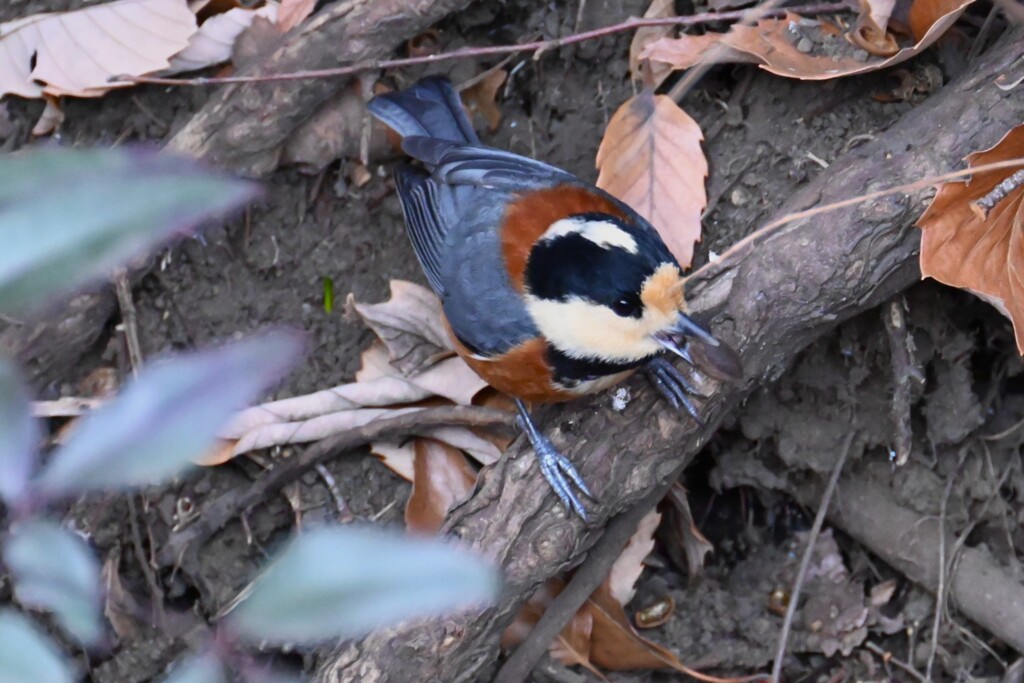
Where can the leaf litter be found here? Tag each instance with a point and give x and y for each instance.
(813, 49)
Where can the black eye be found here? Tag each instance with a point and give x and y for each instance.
(626, 306)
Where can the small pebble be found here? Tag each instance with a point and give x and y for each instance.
(804, 45)
(861, 55)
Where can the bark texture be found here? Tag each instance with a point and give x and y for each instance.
(770, 296)
(244, 126)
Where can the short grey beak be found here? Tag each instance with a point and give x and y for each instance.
(684, 327)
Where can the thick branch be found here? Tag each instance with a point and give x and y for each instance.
(234, 130)
(770, 296)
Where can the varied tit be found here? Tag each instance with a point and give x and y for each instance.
(552, 288)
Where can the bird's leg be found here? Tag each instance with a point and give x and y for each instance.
(560, 473)
(673, 385)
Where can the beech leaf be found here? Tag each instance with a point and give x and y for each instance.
(167, 416)
(345, 581)
(28, 655)
(650, 158)
(646, 35)
(125, 37)
(293, 12)
(628, 566)
(773, 44)
(963, 247)
(410, 323)
(215, 40)
(442, 477)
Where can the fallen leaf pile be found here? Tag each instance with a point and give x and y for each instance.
(815, 49)
(979, 245)
(651, 158)
(123, 38)
(412, 366)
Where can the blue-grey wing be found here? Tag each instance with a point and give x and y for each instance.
(482, 306)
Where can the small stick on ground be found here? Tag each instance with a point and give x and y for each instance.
(156, 593)
(904, 373)
(129, 326)
(805, 562)
(940, 591)
(584, 582)
(218, 512)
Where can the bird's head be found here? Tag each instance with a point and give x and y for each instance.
(599, 287)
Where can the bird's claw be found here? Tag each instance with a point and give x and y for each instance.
(562, 476)
(673, 385)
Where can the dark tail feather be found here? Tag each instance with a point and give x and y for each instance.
(428, 108)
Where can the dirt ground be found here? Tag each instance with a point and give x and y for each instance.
(765, 136)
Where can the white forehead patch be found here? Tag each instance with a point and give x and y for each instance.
(602, 233)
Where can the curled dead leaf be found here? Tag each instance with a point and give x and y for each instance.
(442, 477)
(125, 37)
(626, 569)
(802, 48)
(683, 541)
(978, 251)
(656, 614)
(645, 35)
(651, 158)
(215, 40)
(293, 13)
(481, 98)
(410, 323)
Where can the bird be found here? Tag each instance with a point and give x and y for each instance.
(551, 288)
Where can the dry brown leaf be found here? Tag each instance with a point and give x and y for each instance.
(572, 646)
(772, 43)
(616, 645)
(293, 13)
(442, 477)
(871, 32)
(685, 544)
(650, 158)
(215, 40)
(984, 255)
(336, 131)
(481, 98)
(648, 34)
(50, 119)
(126, 37)
(410, 324)
(380, 391)
(119, 606)
(621, 580)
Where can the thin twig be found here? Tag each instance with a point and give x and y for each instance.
(584, 582)
(218, 512)
(899, 189)
(750, 16)
(156, 593)
(812, 538)
(888, 658)
(68, 406)
(129, 325)
(940, 591)
(581, 586)
(538, 47)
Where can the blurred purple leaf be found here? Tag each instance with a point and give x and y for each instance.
(68, 217)
(345, 581)
(28, 655)
(19, 435)
(168, 416)
(202, 668)
(55, 570)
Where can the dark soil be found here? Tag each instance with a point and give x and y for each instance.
(765, 136)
